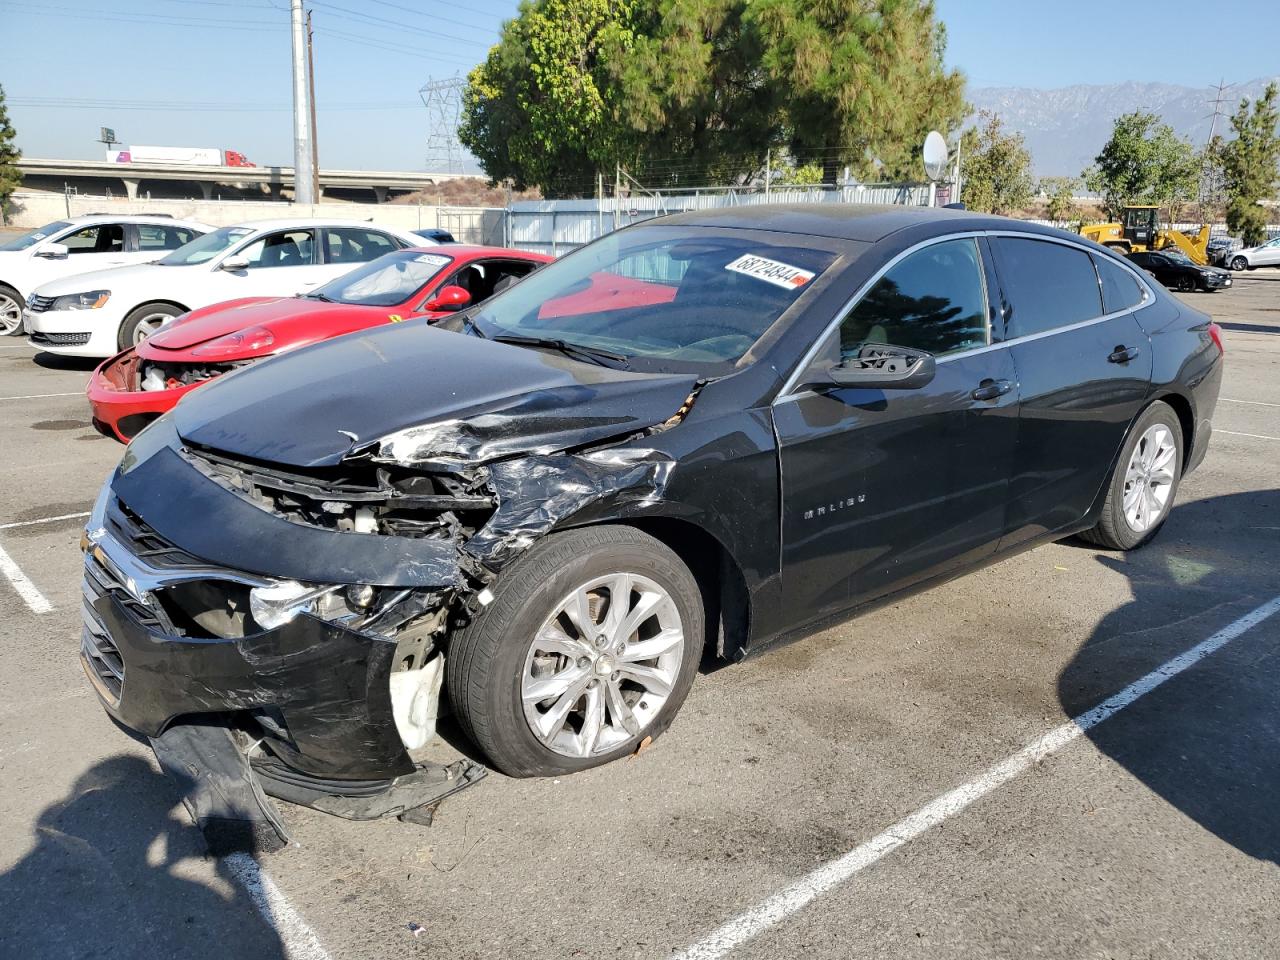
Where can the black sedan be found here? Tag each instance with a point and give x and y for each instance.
(1177, 271)
(716, 430)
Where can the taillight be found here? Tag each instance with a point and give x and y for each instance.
(242, 341)
(1215, 334)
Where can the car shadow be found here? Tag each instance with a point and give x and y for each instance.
(55, 361)
(111, 875)
(1208, 740)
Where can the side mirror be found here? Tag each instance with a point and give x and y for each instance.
(234, 263)
(53, 251)
(449, 298)
(885, 368)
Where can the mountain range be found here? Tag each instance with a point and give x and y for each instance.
(1065, 128)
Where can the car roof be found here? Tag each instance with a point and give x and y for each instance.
(146, 218)
(285, 223)
(867, 222)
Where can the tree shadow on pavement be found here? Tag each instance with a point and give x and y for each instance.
(104, 880)
(1208, 740)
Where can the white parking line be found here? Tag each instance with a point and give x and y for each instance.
(1255, 403)
(298, 939)
(30, 523)
(781, 905)
(1255, 436)
(26, 589)
(43, 396)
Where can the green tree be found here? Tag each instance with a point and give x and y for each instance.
(805, 175)
(1251, 166)
(541, 110)
(10, 176)
(995, 167)
(1144, 162)
(1061, 193)
(860, 82)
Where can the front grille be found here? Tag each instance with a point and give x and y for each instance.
(38, 304)
(59, 339)
(144, 542)
(101, 658)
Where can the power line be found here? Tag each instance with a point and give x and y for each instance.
(370, 20)
(158, 19)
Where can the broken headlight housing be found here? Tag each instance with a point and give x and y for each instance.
(276, 604)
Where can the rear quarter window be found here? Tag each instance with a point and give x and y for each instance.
(1120, 288)
(1047, 285)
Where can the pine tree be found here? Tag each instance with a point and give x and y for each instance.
(10, 176)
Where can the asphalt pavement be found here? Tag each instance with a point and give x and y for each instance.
(1155, 834)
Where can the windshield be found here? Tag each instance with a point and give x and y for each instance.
(205, 248)
(386, 282)
(1177, 256)
(670, 299)
(35, 236)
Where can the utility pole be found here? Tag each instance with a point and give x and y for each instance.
(304, 184)
(768, 173)
(1217, 103)
(311, 90)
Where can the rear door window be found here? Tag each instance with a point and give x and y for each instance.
(932, 300)
(1120, 288)
(1046, 285)
(153, 236)
(357, 245)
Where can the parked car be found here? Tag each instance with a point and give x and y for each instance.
(436, 234)
(139, 384)
(1267, 255)
(78, 245)
(1220, 248)
(98, 314)
(814, 410)
(1177, 271)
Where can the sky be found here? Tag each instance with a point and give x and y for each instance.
(216, 73)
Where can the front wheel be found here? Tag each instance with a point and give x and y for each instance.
(1186, 284)
(1141, 489)
(11, 305)
(143, 322)
(589, 647)
(1239, 263)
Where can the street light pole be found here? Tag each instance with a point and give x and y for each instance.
(304, 182)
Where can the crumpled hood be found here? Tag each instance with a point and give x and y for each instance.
(448, 397)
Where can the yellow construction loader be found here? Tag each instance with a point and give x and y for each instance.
(1139, 231)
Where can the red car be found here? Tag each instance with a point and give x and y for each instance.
(134, 387)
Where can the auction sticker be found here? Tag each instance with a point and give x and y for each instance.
(770, 271)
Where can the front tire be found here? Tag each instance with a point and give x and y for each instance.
(11, 304)
(1186, 285)
(589, 647)
(1239, 264)
(144, 321)
(1143, 486)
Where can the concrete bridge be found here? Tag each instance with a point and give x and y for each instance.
(97, 176)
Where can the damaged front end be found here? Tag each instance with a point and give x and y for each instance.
(307, 610)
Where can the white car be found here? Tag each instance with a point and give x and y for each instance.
(1267, 255)
(78, 245)
(98, 314)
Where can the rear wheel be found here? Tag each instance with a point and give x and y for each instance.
(589, 648)
(143, 322)
(1141, 490)
(11, 305)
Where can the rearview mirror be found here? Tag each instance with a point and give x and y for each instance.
(451, 297)
(53, 251)
(234, 263)
(884, 368)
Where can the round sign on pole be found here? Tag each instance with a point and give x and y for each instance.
(935, 155)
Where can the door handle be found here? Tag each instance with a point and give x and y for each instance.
(1122, 354)
(990, 389)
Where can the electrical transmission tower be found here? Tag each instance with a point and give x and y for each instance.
(443, 100)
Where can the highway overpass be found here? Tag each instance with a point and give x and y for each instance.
(102, 176)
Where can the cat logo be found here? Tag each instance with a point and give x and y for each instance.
(394, 318)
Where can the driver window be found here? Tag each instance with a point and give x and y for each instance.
(290, 248)
(932, 300)
(101, 238)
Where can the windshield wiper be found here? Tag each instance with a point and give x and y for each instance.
(465, 317)
(603, 358)
(317, 295)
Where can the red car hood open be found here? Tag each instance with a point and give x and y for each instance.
(293, 322)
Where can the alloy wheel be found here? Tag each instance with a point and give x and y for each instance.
(147, 326)
(602, 666)
(1239, 263)
(10, 315)
(1148, 481)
